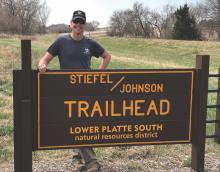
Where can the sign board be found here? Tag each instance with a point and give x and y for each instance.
(70, 109)
(113, 107)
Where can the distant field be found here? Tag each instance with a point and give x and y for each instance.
(127, 53)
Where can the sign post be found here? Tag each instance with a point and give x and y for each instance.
(199, 122)
(22, 112)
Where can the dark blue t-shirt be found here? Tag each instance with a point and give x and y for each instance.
(74, 54)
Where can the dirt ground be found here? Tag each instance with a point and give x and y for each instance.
(124, 159)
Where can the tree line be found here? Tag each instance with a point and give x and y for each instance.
(23, 16)
(184, 22)
(30, 17)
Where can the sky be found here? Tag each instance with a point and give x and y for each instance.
(100, 10)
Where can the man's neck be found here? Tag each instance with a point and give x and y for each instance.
(76, 36)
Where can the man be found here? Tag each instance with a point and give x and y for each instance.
(74, 51)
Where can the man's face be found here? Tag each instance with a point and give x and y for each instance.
(77, 27)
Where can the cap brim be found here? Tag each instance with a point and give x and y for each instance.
(79, 17)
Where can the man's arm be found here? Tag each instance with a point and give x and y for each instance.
(42, 65)
(105, 61)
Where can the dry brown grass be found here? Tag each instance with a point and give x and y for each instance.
(16, 36)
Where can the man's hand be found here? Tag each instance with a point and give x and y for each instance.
(42, 65)
(42, 68)
(106, 59)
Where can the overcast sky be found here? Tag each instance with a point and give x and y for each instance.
(100, 10)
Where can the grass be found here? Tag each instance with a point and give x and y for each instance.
(6, 130)
(5, 155)
(159, 52)
(3, 115)
(133, 166)
(187, 162)
(127, 53)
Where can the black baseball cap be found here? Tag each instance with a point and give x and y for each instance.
(79, 16)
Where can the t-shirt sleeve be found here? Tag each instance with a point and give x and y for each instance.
(54, 48)
(98, 50)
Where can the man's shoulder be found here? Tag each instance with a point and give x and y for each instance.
(91, 41)
(63, 36)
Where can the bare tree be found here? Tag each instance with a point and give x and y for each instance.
(141, 16)
(3, 24)
(141, 21)
(124, 23)
(213, 7)
(156, 21)
(8, 18)
(92, 26)
(95, 24)
(11, 5)
(27, 13)
(23, 16)
(199, 11)
(131, 22)
(43, 14)
(138, 21)
(58, 28)
(131, 28)
(117, 24)
(168, 21)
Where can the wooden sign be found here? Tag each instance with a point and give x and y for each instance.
(107, 108)
(70, 109)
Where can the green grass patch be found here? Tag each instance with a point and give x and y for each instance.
(187, 162)
(4, 115)
(117, 154)
(3, 102)
(103, 154)
(5, 155)
(133, 166)
(6, 130)
(169, 51)
(10, 42)
(6, 89)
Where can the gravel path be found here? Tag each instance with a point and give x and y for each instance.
(135, 159)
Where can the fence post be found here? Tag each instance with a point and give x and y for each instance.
(217, 125)
(22, 112)
(199, 120)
